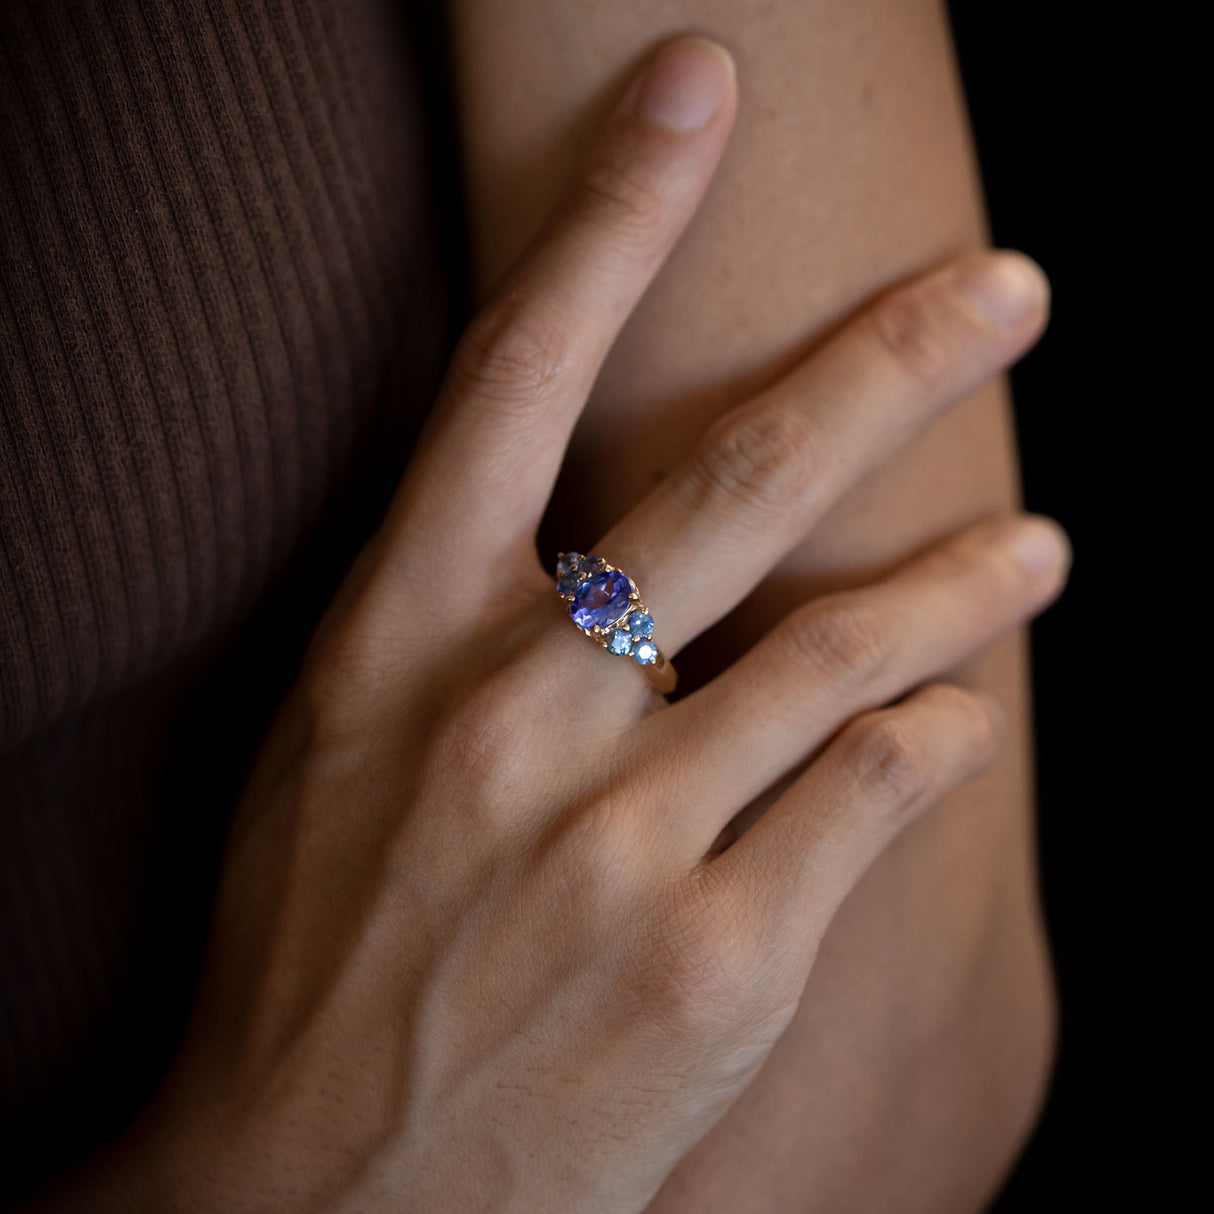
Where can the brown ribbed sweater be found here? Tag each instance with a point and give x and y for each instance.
(222, 311)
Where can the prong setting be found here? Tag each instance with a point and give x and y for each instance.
(605, 604)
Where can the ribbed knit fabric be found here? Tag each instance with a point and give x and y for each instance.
(222, 311)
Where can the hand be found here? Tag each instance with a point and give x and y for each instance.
(480, 943)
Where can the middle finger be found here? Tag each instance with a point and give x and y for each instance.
(765, 472)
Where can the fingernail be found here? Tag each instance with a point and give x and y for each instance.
(1005, 288)
(686, 84)
(1039, 544)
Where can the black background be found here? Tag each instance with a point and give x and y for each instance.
(1081, 120)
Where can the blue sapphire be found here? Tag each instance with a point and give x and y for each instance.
(601, 600)
(620, 643)
(645, 654)
(640, 624)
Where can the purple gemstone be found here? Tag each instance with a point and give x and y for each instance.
(601, 600)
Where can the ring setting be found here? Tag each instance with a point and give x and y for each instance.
(605, 604)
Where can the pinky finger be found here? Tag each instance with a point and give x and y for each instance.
(800, 859)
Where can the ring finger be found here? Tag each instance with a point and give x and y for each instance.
(842, 655)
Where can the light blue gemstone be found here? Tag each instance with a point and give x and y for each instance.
(645, 654)
(640, 624)
(566, 560)
(567, 583)
(619, 643)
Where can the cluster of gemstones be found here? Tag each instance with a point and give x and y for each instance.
(605, 605)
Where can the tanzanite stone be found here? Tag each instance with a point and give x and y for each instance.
(645, 654)
(620, 643)
(601, 600)
(590, 564)
(640, 624)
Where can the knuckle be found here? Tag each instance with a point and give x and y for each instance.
(972, 724)
(1001, 568)
(843, 638)
(619, 199)
(889, 760)
(590, 848)
(512, 355)
(951, 561)
(478, 745)
(692, 977)
(758, 460)
(907, 327)
(973, 555)
(992, 585)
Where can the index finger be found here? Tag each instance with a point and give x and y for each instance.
(487, 460)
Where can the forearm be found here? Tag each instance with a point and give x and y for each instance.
(850, 167)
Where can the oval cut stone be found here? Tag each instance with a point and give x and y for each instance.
(601, 600)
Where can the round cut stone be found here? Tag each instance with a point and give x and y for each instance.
(645, 654)
(620, 643)
(566, 561)
(601, 600)
(640, 624)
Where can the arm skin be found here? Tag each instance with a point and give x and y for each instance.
(910, 1080)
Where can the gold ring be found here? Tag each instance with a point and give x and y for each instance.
(605, 604)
